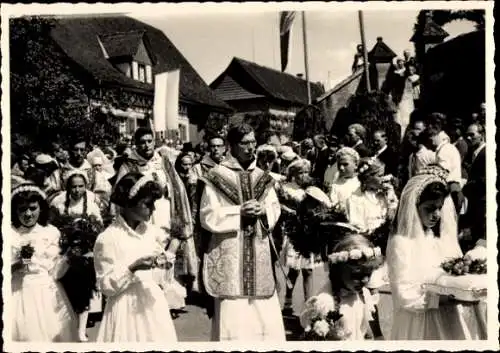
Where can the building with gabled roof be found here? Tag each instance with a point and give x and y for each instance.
(118, 56)
(249, 87)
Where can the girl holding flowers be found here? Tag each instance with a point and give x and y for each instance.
(344, 307)
(127, 255)
(77, 202)
(41, 310)
(425, 237)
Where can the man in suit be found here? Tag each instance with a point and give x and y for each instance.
(356, 134)
(475, 189)
(384, 153)
(321, 159)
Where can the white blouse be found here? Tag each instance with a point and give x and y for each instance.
(117, 248)
(76, 207)
(341, 190)
(46, 259)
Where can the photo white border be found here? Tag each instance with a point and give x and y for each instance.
(154, 10)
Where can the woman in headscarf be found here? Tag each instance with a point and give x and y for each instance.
(425, 237)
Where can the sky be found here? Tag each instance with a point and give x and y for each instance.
(210, 40)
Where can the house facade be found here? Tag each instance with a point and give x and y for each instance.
(117, 57)
(251, 88)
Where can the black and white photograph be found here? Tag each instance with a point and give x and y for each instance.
(260, 175)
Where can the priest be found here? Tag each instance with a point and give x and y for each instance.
(239, 208)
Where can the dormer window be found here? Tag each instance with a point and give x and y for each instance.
(130, 53)
(142, 73)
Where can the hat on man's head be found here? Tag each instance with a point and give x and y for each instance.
(44, 159)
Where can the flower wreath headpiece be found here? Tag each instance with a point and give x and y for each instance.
(432, 173)
(435, 170)
(365, 165)
(28, 187)
(139, 184)
(78, 172)
(355, 254)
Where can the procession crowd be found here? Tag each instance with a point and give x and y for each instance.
(137, 229)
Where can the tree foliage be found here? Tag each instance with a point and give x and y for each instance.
(308, 122)
(374, 110)
(215, 124)
(443, 17)
(49, 102)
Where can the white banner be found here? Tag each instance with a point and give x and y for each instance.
(160, 102)
(166, 101)
(172, 119)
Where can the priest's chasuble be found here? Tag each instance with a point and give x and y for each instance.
(237, 262)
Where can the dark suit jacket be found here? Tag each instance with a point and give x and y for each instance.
(391, 161)
(475, 191)
(363, 150)
(320, 165)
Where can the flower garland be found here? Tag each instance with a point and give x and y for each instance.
(464, 265)
(355, 254)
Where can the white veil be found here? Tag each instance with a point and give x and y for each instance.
(408, 220)
(413, 255)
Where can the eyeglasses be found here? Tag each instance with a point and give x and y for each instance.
(248, 143)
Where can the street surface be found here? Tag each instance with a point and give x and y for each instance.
(194, 325)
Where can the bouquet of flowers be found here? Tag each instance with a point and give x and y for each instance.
(77, 243)
(78, 237)
(322, 321)
(464, 265)
(26, 252)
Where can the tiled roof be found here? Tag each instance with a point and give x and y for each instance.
(121, 44)
(261, 80)
(432, 32)
(79, 38)
(381, 53)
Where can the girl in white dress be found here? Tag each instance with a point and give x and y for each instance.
(425, 237)
(41, 311)
(374, 202)
(350, 266)
(347, 181)
(371, 209)
(126, 255)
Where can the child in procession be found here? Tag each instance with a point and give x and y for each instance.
(344, 307)
(41, 310)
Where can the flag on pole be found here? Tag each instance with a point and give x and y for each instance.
(286, 21)
(166, 102)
